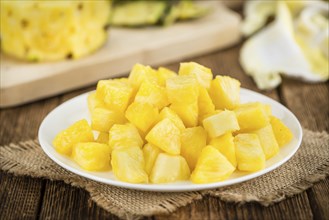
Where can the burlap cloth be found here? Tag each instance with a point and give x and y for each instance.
(308, 165)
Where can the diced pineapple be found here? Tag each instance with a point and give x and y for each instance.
(169, 168)
(141, 73)
(166, 136)
(80, 131)
(103, 119)
(251, 116)
(115, 93)
(225, 92)
(212, 166)
(201, 118)
(249, 152)
(152, 94)
(94, 102)
(225, 145)
(164, 74)
(151, 153)
(267, 140)
(282, 133)
(267, 109)
(170, 114)
(187, 112)
(92, 156)
(218, 124)
(103, 138)
(205, 104)
(124, 136)
(202, 74)
(128, 165)
(193, 141)
(182, 89)
(142, 115)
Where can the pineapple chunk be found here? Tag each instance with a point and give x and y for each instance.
(169, 168)
(225, 92)
(282, 133)
(212, 166)
(187, 112)
(170, 114)
(166, 136)
(205, 104)
(115, 93)
(142, 115)
(267, 140)
(92, 156)
(249, 152)
(141, 73)
(201, 118)
(128, 165)
(221, 123)
(202, 74)
(182, 89)
(80, 131)
(225, 145)
(252, 116)
(103, 119)
(152, 94)
(164, 74)
(151, 153)
(94, 102)
(124, 136)
(103, 138)
(193, 141)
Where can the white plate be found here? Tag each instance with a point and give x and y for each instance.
(76, 109)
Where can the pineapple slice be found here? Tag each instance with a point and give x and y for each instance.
(166, 136)
(170, 114)
(267, 140)
(152, 94)
(103, 138)
(124, 136)
(225, 92)
(94, 102)
(193, 141)
(205, 104)
(182, 89)
(252, 116)
(201, 118)
(282, 133)
(151, 153)
(187, 112)
(164, 74)
(202, 74)
(218, 124)
(128, 165)
(115, 93)
(169, 168)
(80, 131)
(212, 166)
(103, 119)
(225, 145)
(249, 152)
(142, 115)
(92, 156)
(141, 73)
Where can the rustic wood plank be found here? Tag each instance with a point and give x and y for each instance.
(318, 196)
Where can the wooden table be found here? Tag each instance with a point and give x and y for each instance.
(32, 198)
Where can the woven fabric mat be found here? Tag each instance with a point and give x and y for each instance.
(308, 165)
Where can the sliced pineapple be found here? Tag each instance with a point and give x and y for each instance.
(94, 102)
(103, 119)
(202, 74)
(141, 73)
(125, 135)
(282, 133)
(164, 74)
(153, 94)
(187, 112)
(103, 138)
(267, 140)
(205, 104)
(170, 114)
(182, 89)
(151, 153)
(225, 145)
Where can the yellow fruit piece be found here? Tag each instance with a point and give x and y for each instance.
(187, 112)
(142, 115)
(218, 124)
(115, 93)
(282, 133)
(80, 131)
(103, 138)
(103, 119)
(225, 145)
(225, 92)
(202, 74)
(151, 153)
(249, 152)
(201, 118)
(164, 74)
(166, 136)
(193, 141)
(124, 136)
(205, 104)
(141, 73)
(169, 168)
(212, 166)
(182, 89)
(170, 114)
(94, 102)
(267, 140)
(153, 94)
(128, 165)
(251, 116)
(92, 156)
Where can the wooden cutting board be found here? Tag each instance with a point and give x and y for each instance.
(23, 82)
